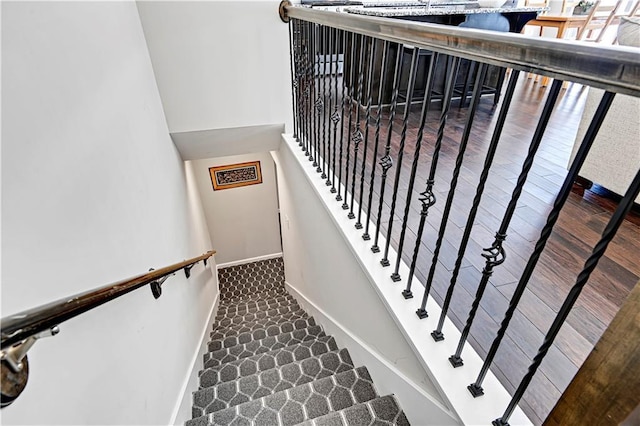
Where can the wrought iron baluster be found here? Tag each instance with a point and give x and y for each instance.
(335, 116)
(352, 76)
(395, 276)
(403, 136)
(452, 67)
(307, 90)
(598, 251)
(344, 100)
(383, 72)
(476, 387)
(475, 100)
(494, 255)
(386, 162)
(292, 51)
(357, 131)
(318, 101)
(298, 81)
(323, 76)
(330, 41)
(372, 55)
(427, 197)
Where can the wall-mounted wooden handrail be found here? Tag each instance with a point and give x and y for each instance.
(20, 326)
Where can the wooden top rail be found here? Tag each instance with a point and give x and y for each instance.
(613, 68)
(20, 326)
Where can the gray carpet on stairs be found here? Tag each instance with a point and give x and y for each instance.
(269, 363)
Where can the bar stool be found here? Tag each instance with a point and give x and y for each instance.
(600, 17)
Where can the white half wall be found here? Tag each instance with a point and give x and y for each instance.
(243, 222)
(320, 266)
(334, 274)
(94, 191)
(219, 64)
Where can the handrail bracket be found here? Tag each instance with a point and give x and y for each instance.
(15, 366)
(187, 270)
(156, 286)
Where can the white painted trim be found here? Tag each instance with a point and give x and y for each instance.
(184, 402)
(416, 403)
(434, 356)
(249, 260)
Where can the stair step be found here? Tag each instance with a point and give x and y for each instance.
(384, 410)
(295, 405)
(261, 333)
(254, 295)
(265, 361)
(270, 381)
(239, 321)
(248, 306)
(221, 356)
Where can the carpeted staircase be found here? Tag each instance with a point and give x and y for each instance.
(269, 363)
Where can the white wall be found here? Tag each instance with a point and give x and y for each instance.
(242, 222)
(94, 191)
(219, 64)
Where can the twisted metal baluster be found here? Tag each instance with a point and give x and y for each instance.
(293, 80)
(395, 276)
(357, 131)
(383, 71)
(403, 137)
(330, 170)
(308, 70)
(335, 117)
(299, 76)
(323, 75)
(386, 162)
(598, 251)
(476, 387)
(312, 126)
(318, 104)
(372, 55)
(352, 77)
(494, 255)
(477, 91)
(452, 66)
(344, 62)
(427, 197)
(475, 100)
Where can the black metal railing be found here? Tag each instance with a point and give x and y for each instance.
(361, 109)
(20, 331)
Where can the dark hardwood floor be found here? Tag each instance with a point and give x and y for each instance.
(579, 226)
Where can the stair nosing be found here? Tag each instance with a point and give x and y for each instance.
(236, 408)
(336, 351)
(208, 355)
(345, 364)
(325, 338)
(233, 326)
(310, 321)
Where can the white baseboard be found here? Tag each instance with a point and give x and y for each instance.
(249, 260)
(182, 411)
(388, 379)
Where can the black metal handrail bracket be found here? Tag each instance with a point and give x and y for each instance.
(20, 331)
(381, 56)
